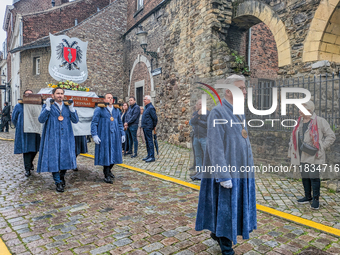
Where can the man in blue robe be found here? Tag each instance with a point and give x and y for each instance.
(57, 147)
(24, 143)
(227, 200)
(108, 134)
(81, 146)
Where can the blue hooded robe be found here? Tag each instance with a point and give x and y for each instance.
(109, 151)
(57, 147)
(227, 212)
(24, 142)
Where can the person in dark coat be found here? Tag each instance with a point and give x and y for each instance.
(131, 123)
(227, 200)
(57, 146)
(24, 143)
(149, 123)
(108, 134)
(5, 117)
(81, 146)
(199, 123)
(125, 145)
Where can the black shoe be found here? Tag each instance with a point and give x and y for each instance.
(111, 175)
(28, 173)
(304, 200)
(129, 152)
(76, 169)
(213, 236)
(59, 187)
(133, 156)
(63, 183)
(32, 168)
(150, 160)
(108, 180)
(315, 204)
(196, 177)
(146, 158)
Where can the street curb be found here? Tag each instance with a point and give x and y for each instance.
(262, 208)
(3, 248)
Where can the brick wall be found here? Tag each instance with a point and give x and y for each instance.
(104, 55)
(57, 19)
(140, 72)
(264, 56)
(133, 16)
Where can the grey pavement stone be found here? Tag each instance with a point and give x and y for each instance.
(185, 252)
(273, 233)
(67, 229)
(102, 249)
(298, 232)
(55, 244)
(15, 219)
(170, 233)
(20, 226)
(47, 216)
(31, 238)
(122, 235)
(209, 242)
(23, 230)
(182, 229)
(122, 242)
(271, 244)
(255, 242)
(61, 237)
(252, 253)
(153, 247)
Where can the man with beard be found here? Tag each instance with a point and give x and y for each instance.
(24, 143)
(57, 147)
(227, 200)
(108, 134)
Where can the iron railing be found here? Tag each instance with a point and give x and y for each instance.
(325, 94)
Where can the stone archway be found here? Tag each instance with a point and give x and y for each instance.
(256, 12)
(321, 38)
(142, 59)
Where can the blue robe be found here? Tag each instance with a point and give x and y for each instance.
(227, 212)
(109, 151)
(81, 144)
(57, 147)
(24, 142)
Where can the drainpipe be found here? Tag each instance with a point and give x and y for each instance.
(249, 48)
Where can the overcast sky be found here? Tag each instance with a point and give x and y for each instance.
(3, 4)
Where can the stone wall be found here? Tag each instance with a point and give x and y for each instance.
(40, 24)
(104, 54)
(271, 148)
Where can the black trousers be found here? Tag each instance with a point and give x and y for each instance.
(107, 169)
(149, 142)
(4, 125)
(311, 180)
(28, 160)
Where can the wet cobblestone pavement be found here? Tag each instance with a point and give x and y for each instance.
(138, 214)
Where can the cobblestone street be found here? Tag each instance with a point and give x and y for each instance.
(140, 214)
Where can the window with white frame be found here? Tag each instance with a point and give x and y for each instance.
(36, 65)
(139, 4)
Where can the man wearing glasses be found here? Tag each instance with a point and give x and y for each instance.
(227, 201)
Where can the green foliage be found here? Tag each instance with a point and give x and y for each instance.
(335, 128)
(241, 64)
